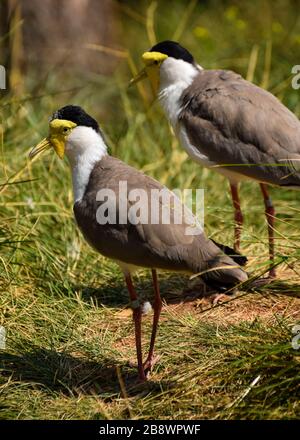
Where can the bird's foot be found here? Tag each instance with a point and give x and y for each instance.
(272, 273)
(142, 376)
(149, 364)
(218, 298)
(146, 367)
(141, 373)
(261, 282)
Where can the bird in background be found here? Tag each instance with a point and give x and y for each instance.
(227, 124)
(74, 133)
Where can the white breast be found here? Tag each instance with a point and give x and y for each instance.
(174, 77)
(84, 147)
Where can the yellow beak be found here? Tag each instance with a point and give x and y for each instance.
(44, 145)
(152, 61)
(139, 77)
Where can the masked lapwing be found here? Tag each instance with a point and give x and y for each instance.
(228, 124)
(97, 178)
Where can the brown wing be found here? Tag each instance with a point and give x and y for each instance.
(234, 122)
(164, 246)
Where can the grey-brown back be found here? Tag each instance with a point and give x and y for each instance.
(233, 122)
(164, 246)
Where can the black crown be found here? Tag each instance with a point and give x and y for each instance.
(173, 49)
(77, 115)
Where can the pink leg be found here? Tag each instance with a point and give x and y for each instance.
(137, 317)
(157, 305)
(238, 216)
(270, 215)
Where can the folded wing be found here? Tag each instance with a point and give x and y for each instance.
(242, 127)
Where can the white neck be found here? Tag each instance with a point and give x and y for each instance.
(175, 77)
(84, 147)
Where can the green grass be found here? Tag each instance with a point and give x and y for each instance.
(65, 308)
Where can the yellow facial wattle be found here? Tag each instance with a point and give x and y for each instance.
(155, 58)
(59, 130)
(152, 61)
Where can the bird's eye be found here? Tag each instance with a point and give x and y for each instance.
(156, 62)
(65, 129)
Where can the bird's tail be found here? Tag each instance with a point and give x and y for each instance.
(221, 271)
(237, 257)
(223, 274)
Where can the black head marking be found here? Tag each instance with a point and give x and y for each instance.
(77, 115)
(174, 50)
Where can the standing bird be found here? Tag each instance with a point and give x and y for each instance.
(227, 123)
(132, 244)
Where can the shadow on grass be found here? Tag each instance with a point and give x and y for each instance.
(177, 289)
(62, 372)
(280, 287)
(174, 289)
